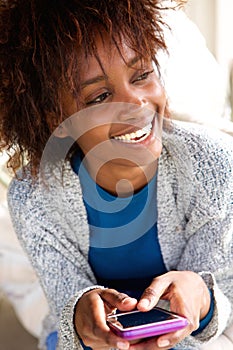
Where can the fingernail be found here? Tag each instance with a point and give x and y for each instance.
(144, 303)
(163, 343)
(122, 345)
(128, 299)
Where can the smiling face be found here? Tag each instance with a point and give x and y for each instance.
(122, 131)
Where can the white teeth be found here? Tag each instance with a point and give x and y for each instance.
(140, 135)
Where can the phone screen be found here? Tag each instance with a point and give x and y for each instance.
(138, 325)
(138, 318)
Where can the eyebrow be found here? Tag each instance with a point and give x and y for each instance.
(133, 61)
(94, 80)
(100, 78)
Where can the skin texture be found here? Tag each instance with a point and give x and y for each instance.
(175, 286)
(138, 85)
(121, 78)
(42, 57)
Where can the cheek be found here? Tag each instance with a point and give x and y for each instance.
(85, 143)
(158, 94)
(155, 148)
(93, 138)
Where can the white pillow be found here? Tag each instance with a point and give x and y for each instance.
(192, 77)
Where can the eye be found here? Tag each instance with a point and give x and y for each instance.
(143, 76)
(99, 99)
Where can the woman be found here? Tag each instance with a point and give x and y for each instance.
(117, 207)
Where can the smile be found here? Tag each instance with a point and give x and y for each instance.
(135, 137)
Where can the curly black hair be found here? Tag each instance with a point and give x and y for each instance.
(39, 40)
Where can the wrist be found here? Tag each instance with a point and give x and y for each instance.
(206, 303)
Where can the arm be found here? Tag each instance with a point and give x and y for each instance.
(59, 263)
(212, 259)
(199, 227)
(60, 260)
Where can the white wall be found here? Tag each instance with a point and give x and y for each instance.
(202, 12)
(224, 32)
(215, 20)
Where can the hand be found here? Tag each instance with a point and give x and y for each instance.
(90, 318)
(188, 296)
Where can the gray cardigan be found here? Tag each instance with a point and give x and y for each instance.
(195, 227)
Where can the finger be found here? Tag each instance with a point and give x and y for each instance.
(169, 340)
(110, 341)
(150, 344)
(101, 334)
(118, 300)
(153, 293)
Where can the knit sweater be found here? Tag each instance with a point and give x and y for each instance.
(195, 227)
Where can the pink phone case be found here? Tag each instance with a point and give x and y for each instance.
(170, 323)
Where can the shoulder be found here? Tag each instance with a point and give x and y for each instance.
(201, 144)
(21, 189)
(199, 161)
(47, 189)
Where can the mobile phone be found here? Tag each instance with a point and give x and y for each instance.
(137, 324)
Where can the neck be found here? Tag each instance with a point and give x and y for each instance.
(122, 181)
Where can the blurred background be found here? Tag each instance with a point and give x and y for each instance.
(214, 20)
(199, 79)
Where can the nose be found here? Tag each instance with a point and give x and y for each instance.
(132, 105)
(133, 97)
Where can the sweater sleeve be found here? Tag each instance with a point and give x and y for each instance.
(54, 252)
(209, 230)
(197, 235)
(220, 282)
(69, 339)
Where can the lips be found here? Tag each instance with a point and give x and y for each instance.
(136, 136)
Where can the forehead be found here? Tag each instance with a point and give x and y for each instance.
(108, 55)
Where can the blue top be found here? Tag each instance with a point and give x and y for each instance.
(124, 249)
(124, 252)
